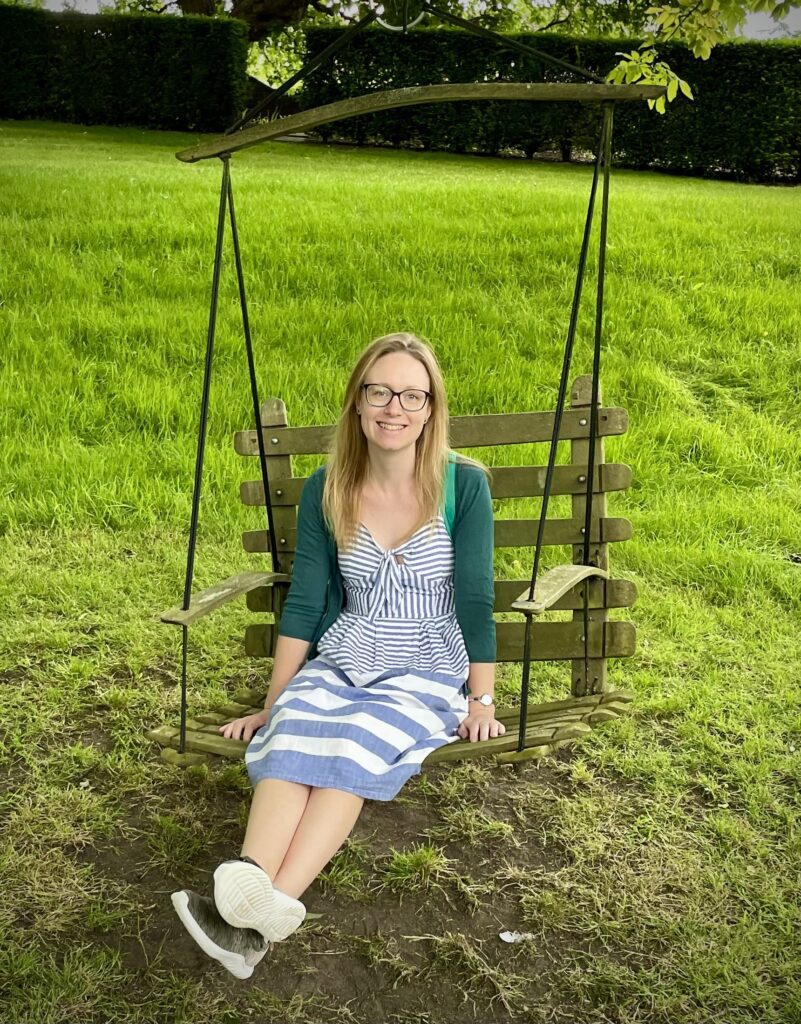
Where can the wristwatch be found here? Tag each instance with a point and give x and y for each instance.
(485, 698)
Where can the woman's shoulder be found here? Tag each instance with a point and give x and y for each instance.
(316, 479)
(313, 487)
(471, 476)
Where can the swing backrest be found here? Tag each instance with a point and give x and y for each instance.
(560, 640)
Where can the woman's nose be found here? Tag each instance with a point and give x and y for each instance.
(393, 400)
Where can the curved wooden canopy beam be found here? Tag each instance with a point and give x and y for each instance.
(392, 98)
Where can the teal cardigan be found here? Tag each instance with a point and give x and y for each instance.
(316, 595)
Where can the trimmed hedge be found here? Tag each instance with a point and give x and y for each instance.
(160, 72)
(745, 120)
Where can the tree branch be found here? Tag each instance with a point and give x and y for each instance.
(681, 21)
(556, 21)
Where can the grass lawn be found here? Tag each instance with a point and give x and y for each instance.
(655, 865)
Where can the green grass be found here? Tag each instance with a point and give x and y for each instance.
(656, 863)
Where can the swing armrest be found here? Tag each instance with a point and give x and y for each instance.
(221, 593)
(555, 584)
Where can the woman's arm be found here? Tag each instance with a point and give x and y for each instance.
(480, 723)
(474, 594)
(306, 601)
(290, 655)
(303, 609)
(473, 568)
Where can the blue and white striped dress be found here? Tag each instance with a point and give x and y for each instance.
(388, 684)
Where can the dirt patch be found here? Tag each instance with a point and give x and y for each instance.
(383, 957)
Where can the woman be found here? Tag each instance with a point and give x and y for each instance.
(391, 603)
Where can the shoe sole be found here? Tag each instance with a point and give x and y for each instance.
(233, 962)
(247, 900)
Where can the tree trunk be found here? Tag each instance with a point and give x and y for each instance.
(266, 16)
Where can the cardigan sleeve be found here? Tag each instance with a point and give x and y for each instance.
(473, 573)
(306, 601)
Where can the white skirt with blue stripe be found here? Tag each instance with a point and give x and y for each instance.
(388, 684)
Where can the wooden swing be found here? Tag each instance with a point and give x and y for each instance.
(583, 587)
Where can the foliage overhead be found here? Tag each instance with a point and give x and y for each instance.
(701, 24)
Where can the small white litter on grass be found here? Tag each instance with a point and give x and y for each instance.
(516, 936)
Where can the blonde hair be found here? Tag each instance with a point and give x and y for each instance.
(348, 461)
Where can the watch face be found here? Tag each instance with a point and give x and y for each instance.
(485, 699)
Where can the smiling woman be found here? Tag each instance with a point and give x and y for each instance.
(392, 605)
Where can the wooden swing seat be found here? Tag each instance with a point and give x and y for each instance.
(549, 725)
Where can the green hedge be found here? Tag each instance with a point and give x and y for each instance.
(158, 71)
(745, 120)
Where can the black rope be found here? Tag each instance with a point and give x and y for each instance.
(557, 424)
(254, 391)
(606, 145)
(201, 441)
(263, 105)
(508, 42)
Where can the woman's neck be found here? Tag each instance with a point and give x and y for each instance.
(391, 472)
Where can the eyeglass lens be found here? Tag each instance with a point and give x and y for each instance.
(410, 400)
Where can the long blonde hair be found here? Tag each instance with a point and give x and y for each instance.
(348, 461)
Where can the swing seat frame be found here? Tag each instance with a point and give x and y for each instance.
(582, 587)
(587, 640)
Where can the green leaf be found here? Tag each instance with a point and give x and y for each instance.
(685, 88)
(672, 90)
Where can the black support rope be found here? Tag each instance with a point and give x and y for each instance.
(507, 42)
(596, 374)
(201, 441)
(557, 424)
(254, 391)
(262, 108)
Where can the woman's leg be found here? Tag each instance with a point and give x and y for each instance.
(275, 813)
(327, 821)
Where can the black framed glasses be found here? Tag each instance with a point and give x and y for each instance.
(411, 399)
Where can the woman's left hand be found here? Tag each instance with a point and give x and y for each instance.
(481, 724)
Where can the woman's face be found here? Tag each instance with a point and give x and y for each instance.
(393, 427)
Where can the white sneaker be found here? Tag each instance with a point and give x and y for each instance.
(246, 898)
(238, 950)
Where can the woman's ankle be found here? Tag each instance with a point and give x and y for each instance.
(250, 860)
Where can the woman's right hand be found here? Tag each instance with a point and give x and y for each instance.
(244, 728)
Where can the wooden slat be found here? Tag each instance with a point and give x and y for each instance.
(550, 641)
(200, 742)
(259, 639)
(522, 533)
(206, 601)
(509, 533)
(579, 707)
(391, 99)
(554, 584)
(465, 432)
(558, 641)
(257, 542)
(507, 482)
(612, 594)
(461, 749)
(209, 743)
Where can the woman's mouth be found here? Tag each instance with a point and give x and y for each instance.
(392, 426)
